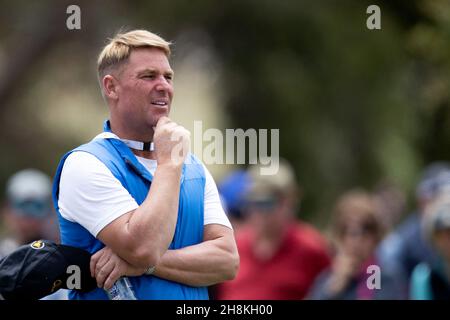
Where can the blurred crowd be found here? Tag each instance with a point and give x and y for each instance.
(372, 248)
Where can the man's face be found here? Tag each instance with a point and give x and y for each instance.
(358, 238)
(145, 89)
(269, 215)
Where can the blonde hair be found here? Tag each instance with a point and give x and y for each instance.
(119, 48)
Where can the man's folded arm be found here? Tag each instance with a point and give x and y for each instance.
(143, 235)
(91, 196)
(214, 260)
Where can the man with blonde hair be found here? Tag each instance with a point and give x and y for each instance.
(134, 196)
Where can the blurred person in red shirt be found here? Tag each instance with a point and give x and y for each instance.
(279, 256)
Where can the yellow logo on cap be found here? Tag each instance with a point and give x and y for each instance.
(38, 244)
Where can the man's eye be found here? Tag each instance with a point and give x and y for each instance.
(169, 77)
(149, 76)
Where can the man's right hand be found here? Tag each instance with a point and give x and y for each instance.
(107, 267)
(171, 141)
(142, 236)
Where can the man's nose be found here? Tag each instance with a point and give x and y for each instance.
(163, 84)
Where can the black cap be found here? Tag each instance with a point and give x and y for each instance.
(40, 268)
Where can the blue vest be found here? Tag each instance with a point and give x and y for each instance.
(134, 177)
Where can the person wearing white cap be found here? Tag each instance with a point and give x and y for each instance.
(27, 214)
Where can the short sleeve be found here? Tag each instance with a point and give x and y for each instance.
(90, 195)
(213, 212)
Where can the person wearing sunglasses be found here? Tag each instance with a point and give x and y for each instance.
(27, 213)
(356, 230)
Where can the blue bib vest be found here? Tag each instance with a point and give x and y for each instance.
(135, 178)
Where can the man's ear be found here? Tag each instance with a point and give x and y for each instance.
(110, 87)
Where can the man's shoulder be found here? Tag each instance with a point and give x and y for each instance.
(90, 152)
(98, 144)
(308, 237)
(193, 159)
(81, 159)
(83, 166)
(99, 140)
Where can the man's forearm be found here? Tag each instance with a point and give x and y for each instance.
(153, 223)
(214, 260)
(143, 235)
(204, 264)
